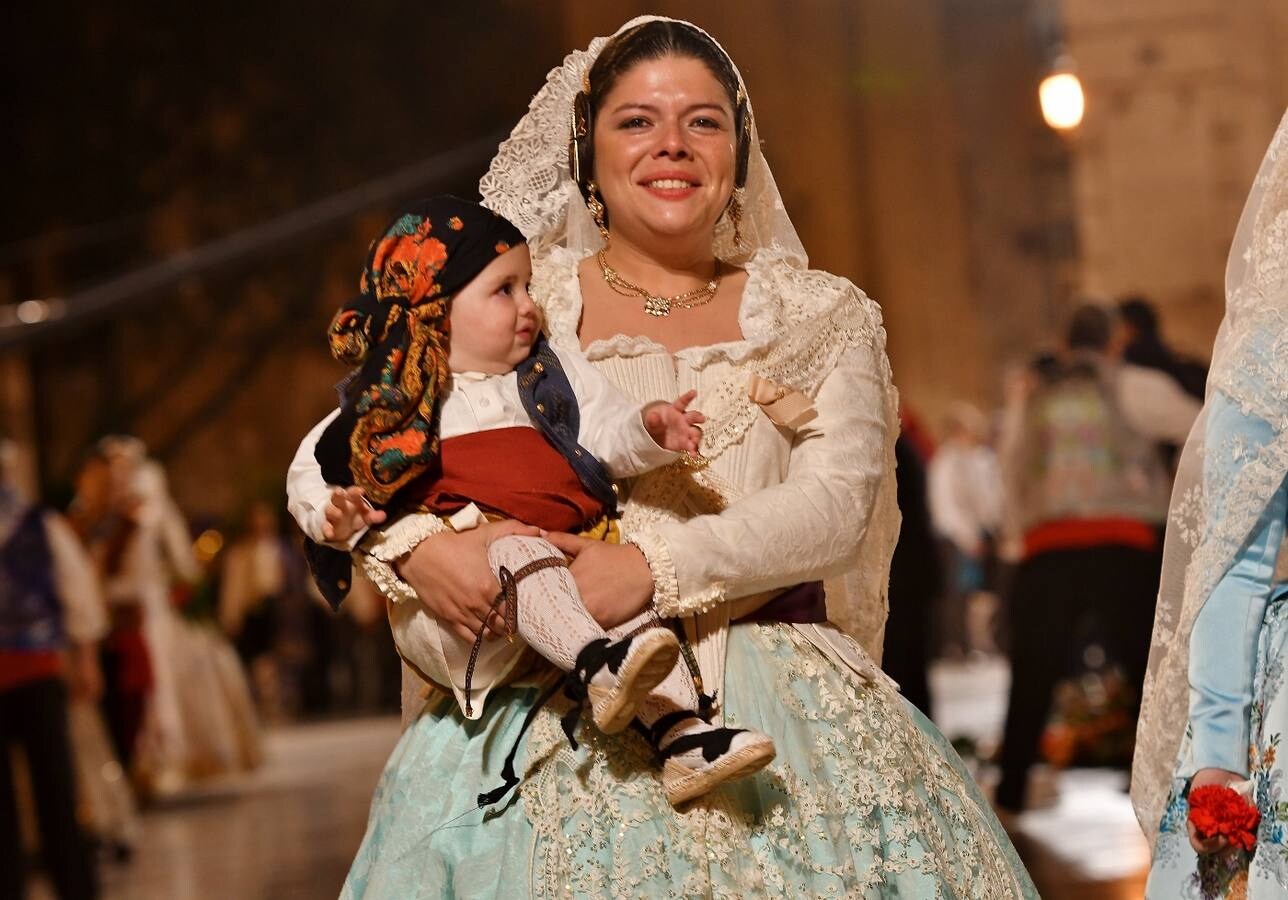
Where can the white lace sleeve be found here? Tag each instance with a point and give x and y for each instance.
(807, 528)
(382, 548)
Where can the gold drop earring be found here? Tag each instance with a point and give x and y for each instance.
(596, 207)
(735, 216)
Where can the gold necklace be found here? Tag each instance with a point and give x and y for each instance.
(654, 304)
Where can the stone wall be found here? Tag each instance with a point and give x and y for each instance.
(1182, 97)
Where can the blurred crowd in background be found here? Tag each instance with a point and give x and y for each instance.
(143, 655)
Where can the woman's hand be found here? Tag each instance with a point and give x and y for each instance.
(1203, 778)
(451, 575)
(614, 579)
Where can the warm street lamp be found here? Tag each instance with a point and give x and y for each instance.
(1061, 96)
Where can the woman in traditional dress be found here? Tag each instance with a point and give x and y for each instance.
(1215, 705)
(661, 247)
(198, 718)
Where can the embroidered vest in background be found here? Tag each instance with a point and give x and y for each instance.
(31, 617)
(1084, 461)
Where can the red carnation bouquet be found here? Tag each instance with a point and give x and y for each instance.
(1219, 810)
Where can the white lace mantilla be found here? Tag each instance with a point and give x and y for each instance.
(1215, 505)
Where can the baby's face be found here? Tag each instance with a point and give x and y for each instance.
(493, 320)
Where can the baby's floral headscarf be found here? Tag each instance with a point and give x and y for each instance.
(395, 334)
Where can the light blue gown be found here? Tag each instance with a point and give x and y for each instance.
(1238, 707)
(865, 799)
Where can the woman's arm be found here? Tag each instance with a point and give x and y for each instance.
(76, 582)
(808, 527)
(1223, 643)
(416, 557)
(948, 513)
(176, 540)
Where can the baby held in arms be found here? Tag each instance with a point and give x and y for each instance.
(458, 406)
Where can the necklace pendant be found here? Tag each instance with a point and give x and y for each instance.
(657, 306)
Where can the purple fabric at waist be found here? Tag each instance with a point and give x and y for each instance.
(797, 605)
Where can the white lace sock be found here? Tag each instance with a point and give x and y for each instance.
(551, 619)
(621, 670)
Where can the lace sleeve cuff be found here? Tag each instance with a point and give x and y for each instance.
(666, 586)
(381, 548)
(386, 581)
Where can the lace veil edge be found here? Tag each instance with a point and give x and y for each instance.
(1214, 508)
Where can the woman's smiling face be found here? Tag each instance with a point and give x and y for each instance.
(664, 150)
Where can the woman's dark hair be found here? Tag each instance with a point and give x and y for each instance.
(644, 42)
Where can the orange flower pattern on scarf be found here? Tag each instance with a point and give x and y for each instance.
(397, 335)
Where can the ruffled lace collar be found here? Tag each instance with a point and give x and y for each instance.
(758, 315)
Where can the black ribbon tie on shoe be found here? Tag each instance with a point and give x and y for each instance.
(591, 659)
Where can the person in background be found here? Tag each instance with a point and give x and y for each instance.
(1086, 493)
(51, 619)
(916, 575)
(1158, 393)
(258, 572)
(181, 709)
(138, 543)
(363, 668)
(965, 494)
(105, 799)
(1143, 346)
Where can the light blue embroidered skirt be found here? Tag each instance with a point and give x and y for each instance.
(865, 799)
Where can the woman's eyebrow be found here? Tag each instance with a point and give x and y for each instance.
(649, 108)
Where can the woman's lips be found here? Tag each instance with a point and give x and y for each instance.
(670, 187)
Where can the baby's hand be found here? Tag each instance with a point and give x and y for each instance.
(348, 513)
(673, 425)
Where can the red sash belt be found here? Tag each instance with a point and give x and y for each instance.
(513, 472)
(1081, 534)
